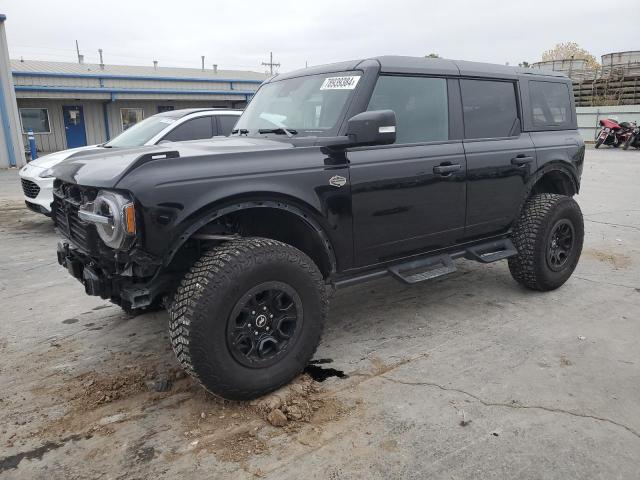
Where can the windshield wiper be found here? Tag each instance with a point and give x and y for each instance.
(279, 131)
(241, 131)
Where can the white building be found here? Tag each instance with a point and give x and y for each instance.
(72, 104)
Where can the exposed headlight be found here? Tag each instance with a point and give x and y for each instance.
(114, 217)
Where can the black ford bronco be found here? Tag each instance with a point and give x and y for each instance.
(333, 175)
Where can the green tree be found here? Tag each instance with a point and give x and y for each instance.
(432, 55)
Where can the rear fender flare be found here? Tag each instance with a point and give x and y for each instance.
(548, 168)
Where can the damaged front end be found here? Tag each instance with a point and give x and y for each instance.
(101, 236)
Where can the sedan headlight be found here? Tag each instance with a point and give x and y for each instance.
(114, 217)
(48, 173)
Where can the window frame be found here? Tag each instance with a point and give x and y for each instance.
(516, 84)
(130, 108)
(454, 113)
(34, 108)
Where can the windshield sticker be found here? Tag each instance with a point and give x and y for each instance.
(340, 83)
(168, 121)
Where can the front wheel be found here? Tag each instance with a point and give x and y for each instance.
(598, 143)
(248, 317)
(548, 236)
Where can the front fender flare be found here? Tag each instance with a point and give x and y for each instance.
(244, 205)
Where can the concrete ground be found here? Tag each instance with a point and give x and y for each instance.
(469, 376)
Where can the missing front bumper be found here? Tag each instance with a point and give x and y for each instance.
(120, 290)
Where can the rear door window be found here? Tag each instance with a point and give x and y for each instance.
(490, 109)
(195, 129)
(550, 104)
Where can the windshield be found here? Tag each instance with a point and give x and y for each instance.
(141, 133)
(311, 105)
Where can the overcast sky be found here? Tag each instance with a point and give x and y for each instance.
(239, 34)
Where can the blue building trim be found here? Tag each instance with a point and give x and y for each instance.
(105, 113)
(112, 91)
(100, 77)
(6, 126)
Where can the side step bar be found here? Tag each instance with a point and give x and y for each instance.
(424, 269)
(427, 268)
(491, 251)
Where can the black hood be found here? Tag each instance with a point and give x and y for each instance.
(105, 168)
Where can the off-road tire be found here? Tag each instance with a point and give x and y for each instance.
(204, 301)
(532, 235)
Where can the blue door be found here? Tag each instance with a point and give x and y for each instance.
(74, 126)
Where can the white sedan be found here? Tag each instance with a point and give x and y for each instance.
(173, 126)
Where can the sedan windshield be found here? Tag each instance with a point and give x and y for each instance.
(142, 132)
(310, 105)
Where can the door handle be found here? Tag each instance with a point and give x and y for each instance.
(446, 169)
(521, 159)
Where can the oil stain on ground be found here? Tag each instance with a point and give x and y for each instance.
(12, 461)
(320, 374)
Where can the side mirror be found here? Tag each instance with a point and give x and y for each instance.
(377, 127)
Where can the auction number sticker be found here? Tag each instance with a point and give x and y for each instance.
(340, 83)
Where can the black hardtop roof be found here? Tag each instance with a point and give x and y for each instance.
(427, 65)
(182, 112)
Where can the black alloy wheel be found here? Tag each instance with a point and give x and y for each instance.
(560, 246)
(264, 323)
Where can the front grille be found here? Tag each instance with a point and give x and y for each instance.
(65, 215)
(30, 189)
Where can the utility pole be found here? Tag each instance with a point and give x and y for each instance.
(101, 62)
(202, 57)
(80, 57)
(270, 64)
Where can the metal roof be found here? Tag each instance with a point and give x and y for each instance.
(93, 69)
(428, 66)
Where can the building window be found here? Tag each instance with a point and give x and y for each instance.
(36, 119)
(165, 108)
(130, 116)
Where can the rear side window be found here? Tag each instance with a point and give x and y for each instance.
(550, 104)
(195, 129)
(420, 103)
(226, 124)
(490, 109)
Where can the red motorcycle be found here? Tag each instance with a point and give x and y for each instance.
(609, 134)
(631, 135)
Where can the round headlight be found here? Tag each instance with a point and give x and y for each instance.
(113, 233)
(114, 216)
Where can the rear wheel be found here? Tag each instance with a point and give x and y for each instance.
(627, 143)
(548, 236)
(248, 317)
